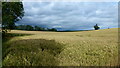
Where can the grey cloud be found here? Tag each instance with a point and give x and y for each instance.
(70, 15)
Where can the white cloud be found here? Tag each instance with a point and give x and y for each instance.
(71, 15)
(71, 0)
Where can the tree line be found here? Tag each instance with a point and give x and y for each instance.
(33, 28)
(13, 12)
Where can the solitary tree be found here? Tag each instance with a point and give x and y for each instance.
(11, 13)
(96, 27)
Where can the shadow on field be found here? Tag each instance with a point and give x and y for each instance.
(9, 36)
(32, 52)
(6, 38)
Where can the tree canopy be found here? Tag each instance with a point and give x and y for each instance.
(11, 13)
(96, 27)
(33, 28)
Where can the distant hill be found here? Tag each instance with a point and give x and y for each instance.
(72, 30)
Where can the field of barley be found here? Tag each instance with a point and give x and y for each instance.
(80, 48)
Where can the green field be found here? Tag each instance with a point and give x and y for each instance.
(81, 48)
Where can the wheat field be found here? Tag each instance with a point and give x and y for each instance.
(80, 48)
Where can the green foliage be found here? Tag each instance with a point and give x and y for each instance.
(33, 28)
(28, 27)
(96, 27)
(37, 28)
(31, 52)
(21, 27)
(11, 13)
(24, 27)
(53, 29)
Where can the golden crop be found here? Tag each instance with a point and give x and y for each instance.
(81, 48)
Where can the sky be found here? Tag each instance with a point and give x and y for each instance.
(72, 0)
(71, 15)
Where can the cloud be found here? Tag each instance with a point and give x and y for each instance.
(71, 0)
(71, 15)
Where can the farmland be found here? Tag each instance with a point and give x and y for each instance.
(44, 48)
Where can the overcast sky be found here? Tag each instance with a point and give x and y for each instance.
(71, 15)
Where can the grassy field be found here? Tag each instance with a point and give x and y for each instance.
(81, 48)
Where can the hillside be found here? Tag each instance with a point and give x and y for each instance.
(81, 48)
